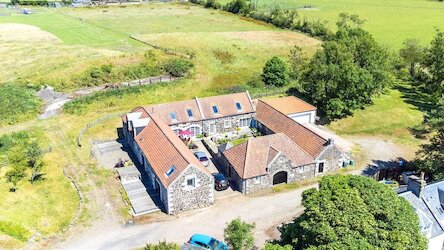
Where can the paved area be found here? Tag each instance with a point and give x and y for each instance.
(267, 212)
(213, 169)
(109, 153)
(142, 201)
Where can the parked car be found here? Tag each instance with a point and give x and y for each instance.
(220, 182)
(202, 158)
(202, 241)
(27, 11)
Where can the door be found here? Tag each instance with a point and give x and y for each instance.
(280, 177)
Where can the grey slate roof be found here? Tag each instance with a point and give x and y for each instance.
(429, 209)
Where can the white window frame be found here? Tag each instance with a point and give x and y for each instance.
(240, 105)
(209, 128)
(227, 123)
(301, 169)
(257, 179)
(175, 116)
(248, 120)
(188, 114)
(194, 179)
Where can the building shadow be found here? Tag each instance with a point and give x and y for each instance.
(388, 170)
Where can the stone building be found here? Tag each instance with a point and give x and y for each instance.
(327, 155)
(173, 171)
(262, 162)
(209, 115)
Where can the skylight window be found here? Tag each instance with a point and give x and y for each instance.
(190, 113)
(173, 116)
(215, 109)
(238, 106)
(170, 171)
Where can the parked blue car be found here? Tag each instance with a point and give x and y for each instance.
(202, 241)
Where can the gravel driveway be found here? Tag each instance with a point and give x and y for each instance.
(266, 211)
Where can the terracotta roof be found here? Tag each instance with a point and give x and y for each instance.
(163, 150)
(289, 104)
(251, 158)
(202, 108)
(278, 122)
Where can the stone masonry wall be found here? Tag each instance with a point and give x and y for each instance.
(220, 122)
(333, 158)
(281, 163)
(182, 198)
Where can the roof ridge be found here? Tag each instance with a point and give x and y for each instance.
(199, 107)
(297, 145)
(293, 120)
(246, 155)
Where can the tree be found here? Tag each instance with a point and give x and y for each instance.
(13, 176)
(34, 154)
(413, 54)
(434, 62)
(297, 61)
(178, 67)
(350, 69)
(354, 212)
(162, 245)
(430, 158)
(239, 235)
(275, 72)
(269, 246)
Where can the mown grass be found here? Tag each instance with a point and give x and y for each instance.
(389, 116)
(390, 21)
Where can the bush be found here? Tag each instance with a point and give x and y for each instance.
(15, 230)
(178, 67)
(162, 245)
(239, 235)
(17, 104)
(239, 7)
(275, 72)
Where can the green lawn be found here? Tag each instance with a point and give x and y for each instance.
(71, 30)
(389, 116)
(390, 21)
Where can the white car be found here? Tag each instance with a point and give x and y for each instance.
(202, 158)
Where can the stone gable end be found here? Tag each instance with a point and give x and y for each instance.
(182, 197)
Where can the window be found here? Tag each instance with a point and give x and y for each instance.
(176, 130)
(215, 109)
(227, 124)
(173, 116)
(195, 130)
(301, 169)
(212, 128)
(257, 180)
(245, 122)
(320, 167)
(170, 171)
(191, 182)
(238, 106)
(190, 113)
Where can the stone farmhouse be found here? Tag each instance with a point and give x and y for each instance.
(287, 152)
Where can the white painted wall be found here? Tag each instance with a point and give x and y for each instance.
(436, 243)
(304, 117)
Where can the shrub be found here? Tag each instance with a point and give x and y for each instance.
(224, 56)
(17, 104)
(15, 230)
(239, 235)
(178, 67)
(275, 72)
(162, 245)
(239, 7)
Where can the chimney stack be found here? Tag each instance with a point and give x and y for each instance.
(417, 184)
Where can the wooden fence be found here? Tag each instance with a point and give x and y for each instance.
(94, 123)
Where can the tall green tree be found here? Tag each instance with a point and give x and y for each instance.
(354, 212)
(413, 54)
(434, 62)
(298, 60)
(349, 69)
(275, 72)
(239, 235)
(430, 158)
